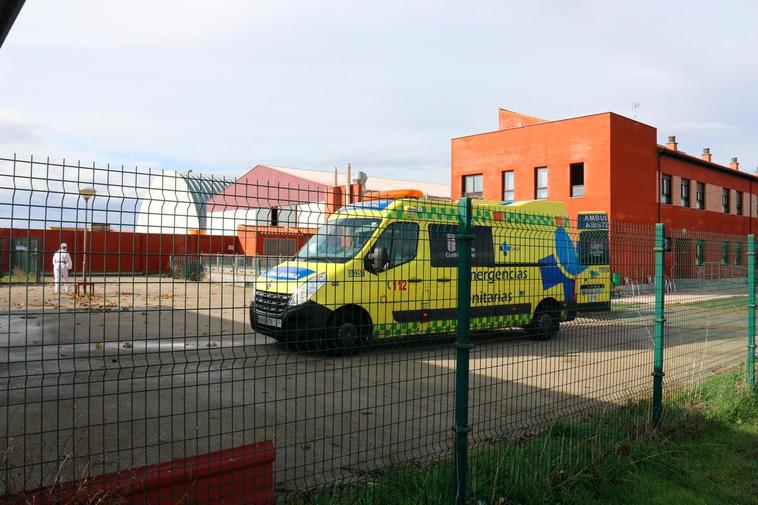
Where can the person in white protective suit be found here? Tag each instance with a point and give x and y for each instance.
(61, 265)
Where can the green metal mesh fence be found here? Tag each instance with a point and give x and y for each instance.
(221, 340)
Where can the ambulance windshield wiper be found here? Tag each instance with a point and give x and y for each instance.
(325, 259)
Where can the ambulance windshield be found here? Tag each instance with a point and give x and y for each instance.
(338, 241)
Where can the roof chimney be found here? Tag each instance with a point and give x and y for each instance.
(671, 144)
(706, 154)
(735, 164)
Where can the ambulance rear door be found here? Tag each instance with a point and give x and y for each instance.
(593, 291)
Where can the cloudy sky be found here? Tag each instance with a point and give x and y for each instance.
(221, 86)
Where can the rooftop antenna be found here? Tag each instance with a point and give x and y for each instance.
(635, 108)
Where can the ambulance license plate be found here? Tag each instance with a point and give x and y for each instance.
(270, 321)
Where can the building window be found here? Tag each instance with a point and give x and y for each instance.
(274, 216)
(699, 252)
(577, 179)
(738, 202)
(472, 185)
(685, 193)
(700, 196)
(725, 200)
(508, 186)
(540, 183)
(738, 254)
(666, 189)
(725, 253)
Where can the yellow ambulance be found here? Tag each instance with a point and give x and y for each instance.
(387, 268)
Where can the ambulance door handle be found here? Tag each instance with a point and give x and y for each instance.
(414, 281)
(443, 279)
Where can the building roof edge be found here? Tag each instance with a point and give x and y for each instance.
(663, 150)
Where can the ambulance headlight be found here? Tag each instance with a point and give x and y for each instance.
(307, 289)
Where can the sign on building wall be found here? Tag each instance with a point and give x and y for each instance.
(593, 221)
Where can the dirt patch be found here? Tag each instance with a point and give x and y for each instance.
(127, 293)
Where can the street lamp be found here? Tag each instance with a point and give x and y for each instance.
(85, 193)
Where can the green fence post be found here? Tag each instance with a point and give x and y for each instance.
(751, 311)
(463, 345)
(660, 319)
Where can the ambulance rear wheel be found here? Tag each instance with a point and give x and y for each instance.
(350, 331)
(546, 322)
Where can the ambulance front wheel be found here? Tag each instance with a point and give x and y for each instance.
(350, 330)
(546, 321)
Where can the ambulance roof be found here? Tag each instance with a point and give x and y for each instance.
(432, 209)
(538, 207)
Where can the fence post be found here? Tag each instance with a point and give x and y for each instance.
(463, 345)
(660, 319)
(751, 311)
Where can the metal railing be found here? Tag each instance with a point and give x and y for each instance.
(229, 268)
(719, 270)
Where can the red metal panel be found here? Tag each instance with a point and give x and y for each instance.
(114, 251)
(243, 475)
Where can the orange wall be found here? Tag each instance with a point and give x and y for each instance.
(634, 163)
(555, 145)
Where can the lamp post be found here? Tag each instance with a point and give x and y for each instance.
(85, 193)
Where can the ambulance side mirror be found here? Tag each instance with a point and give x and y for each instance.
(377, 260)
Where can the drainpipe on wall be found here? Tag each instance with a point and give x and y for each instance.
(658, 187)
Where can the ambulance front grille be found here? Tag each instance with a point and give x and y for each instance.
(270, 304)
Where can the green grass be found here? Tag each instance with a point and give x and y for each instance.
(629, 306)
(708, 453)
(705, 452)
(718, 466)
(731, 302)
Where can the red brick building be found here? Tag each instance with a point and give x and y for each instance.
(607, 162)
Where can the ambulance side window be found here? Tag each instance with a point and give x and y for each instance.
(484, 254)
(401, 241)
(444, 247)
